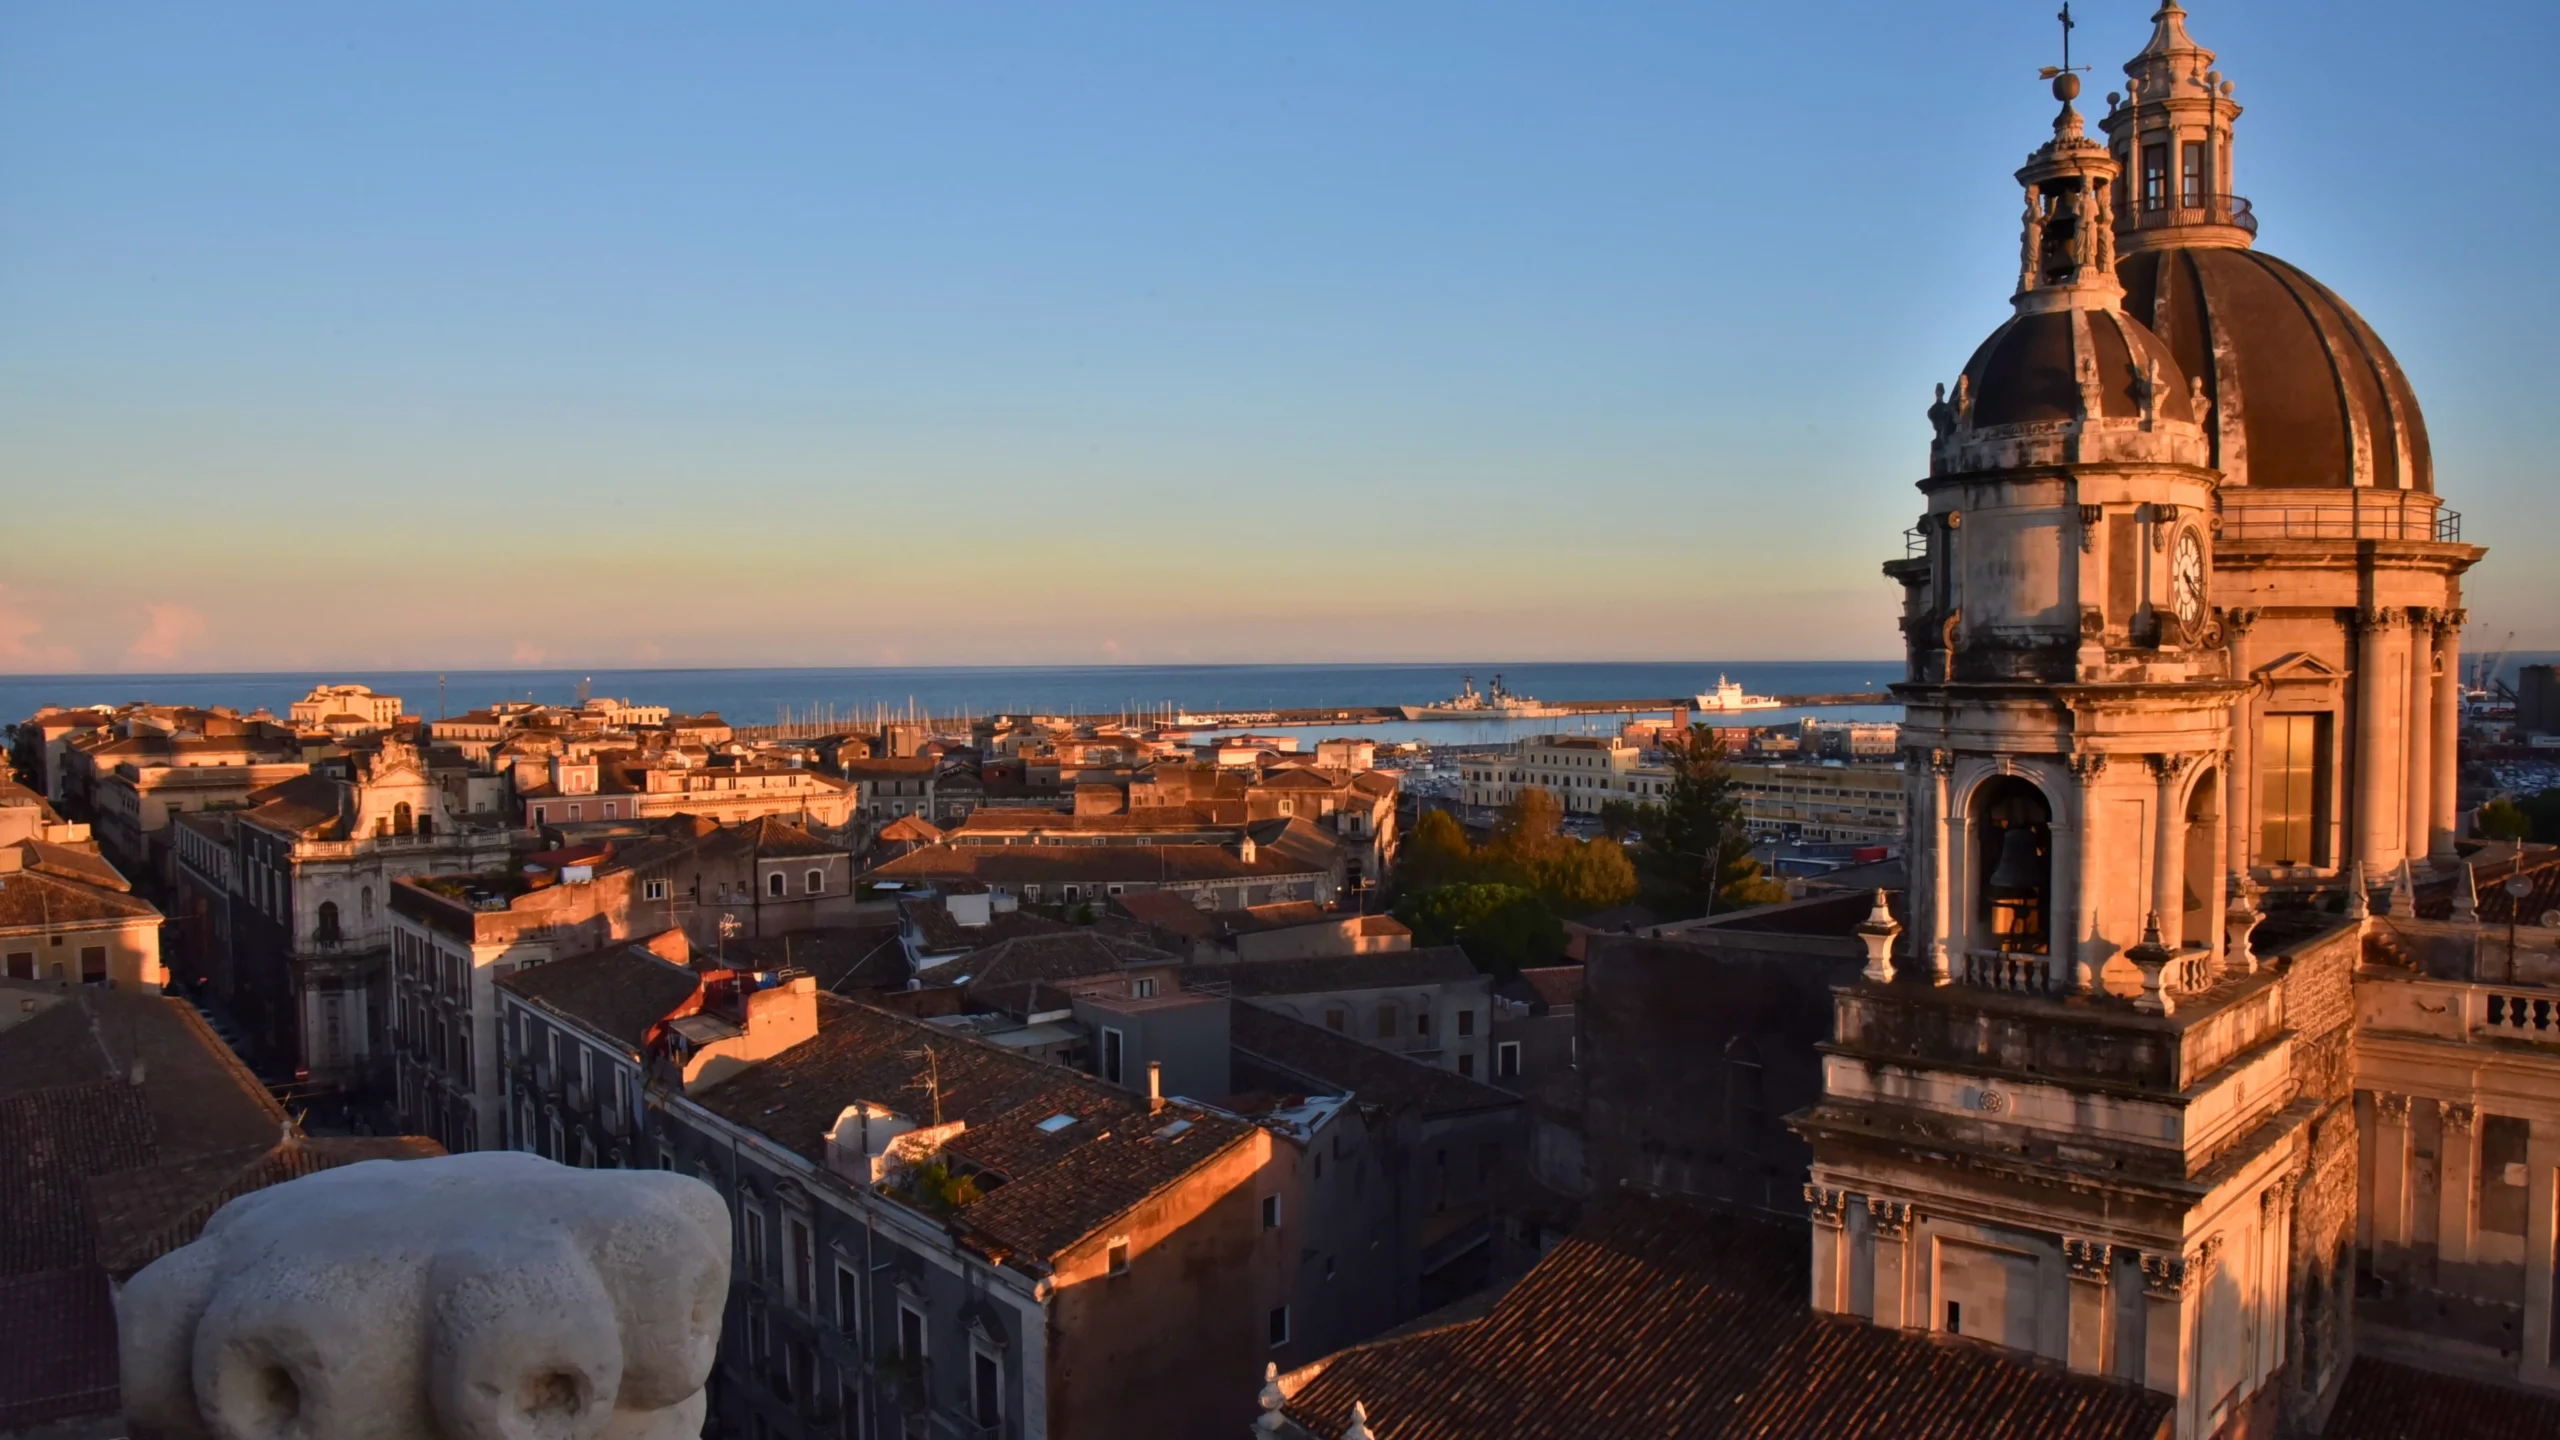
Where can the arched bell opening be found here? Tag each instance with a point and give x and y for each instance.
(2013, 840)
(2200, 887)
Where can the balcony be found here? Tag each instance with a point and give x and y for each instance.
(2358, 515)
(2158, 212)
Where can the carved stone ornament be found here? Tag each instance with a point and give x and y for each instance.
(2091, 517)
(1830, 1207)
(2092, 1262)
(1942, 762)
(2088, 764)
(1991, 1102)
(2390, 1106)
(2093, 622)
(489, 1294)
(2167, 1277)
(2459, 1115)
(2169, 767)
(1892, 1217)
(2164, 518)
(2208, 1259)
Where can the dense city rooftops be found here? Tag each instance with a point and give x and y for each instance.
(1277, 1054)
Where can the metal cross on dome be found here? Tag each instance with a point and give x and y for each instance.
(2066, 67)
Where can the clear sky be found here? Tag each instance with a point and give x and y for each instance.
(834, 333)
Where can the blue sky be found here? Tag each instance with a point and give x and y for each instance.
(462, 334)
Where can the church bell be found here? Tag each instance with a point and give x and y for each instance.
(2017, 873)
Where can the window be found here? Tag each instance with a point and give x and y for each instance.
(1142, 988)
(1466, 1022)
(910, 1333)
(1337, 1018)
(1422, 1022)
(848, 1302)
(986, 1389)
(653, 889)
(1117, 1256)
(2293, 810)
(2155, 177)
(2195, 173)
(609, 807)
(93, 964)
(1270, 1212)
(1390, 1022)
(575, 811)
(751, 1226)
(1467, 1066)
(773, 884)
(538, 812)
(402, 823)
(559, 1150)
(1279, 1325)
(1506, 1060)
(815, 882)
(1111, 1055)
(804, 1263)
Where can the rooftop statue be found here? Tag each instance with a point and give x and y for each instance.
(489, 1296)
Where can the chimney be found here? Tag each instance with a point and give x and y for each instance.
(1155, 1086)
(133, 1072)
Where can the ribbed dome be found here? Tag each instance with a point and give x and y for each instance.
(2305, 394)
(2027, 371)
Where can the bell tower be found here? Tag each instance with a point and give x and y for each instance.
(2057, 1110)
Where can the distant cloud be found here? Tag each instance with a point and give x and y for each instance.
(174, 628)
(528, 653)
(650, 652)
(19, 647)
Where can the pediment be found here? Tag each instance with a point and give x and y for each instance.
(2300, 670)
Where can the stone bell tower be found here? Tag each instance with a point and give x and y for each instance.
(2056, 1114)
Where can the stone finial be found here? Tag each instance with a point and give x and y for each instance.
(2153, 959)
(483, 1295)
(2239, 918)
(2466, 893)
(1358, 1429)
(1877, 933)
(2404, 893)
(1271, 1400)
(2359, 905)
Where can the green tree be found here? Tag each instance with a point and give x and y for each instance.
(2504, 820)
(1585, 876)
(1695, 857)
(1501, 927)
(1436, 853)
(1620, 819)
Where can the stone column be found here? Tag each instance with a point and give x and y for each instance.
(1941, 764)
(2458, 1162)
(2168, 1340)
(2220, 869)
(2446, 732)
(2541, 1155)
(2240, 793)
(2086, 766)
(2093, 1304)
(2168, 851)
(1894, 1281)
(2063, 902)
(2421, 767)
(2390, 1182)
(1830, 1248)
(2375, 799)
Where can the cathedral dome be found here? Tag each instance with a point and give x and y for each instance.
(2305, 395)
(2031, 369)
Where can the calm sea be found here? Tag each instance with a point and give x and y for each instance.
(764, 696)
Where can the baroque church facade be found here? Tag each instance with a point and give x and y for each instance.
(2164, 1073)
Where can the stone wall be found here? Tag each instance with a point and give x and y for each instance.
(2319, 988)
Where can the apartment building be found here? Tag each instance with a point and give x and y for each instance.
(1844, 804)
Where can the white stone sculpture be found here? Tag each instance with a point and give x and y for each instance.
(491, 1296)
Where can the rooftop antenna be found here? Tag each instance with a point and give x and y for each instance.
(931, 1084)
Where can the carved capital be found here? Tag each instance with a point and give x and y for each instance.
(1830, 1207)
(2092, 1262)
(1942, 762)
(2241, 620)
(2425, 617)
(2207, 1260)
(2088, 764)
(2169, 767)
(2459, 1116)
(2381, 620)
(2456, 618)
(1892, 1217)
(2091, 517)
(2167, 1277)
(2391, 1107)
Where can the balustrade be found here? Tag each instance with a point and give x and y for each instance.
(2522, 1017)
(2016, 974)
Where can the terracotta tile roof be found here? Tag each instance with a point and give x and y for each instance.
(776, 839)
(842, 958)
(201, 1099)
(303, 805)
(909, 830)
(1058, 1188)
(55, 1140)
(79, 864)
(940, 933)
(621, 993)
(1378, 970)
(1004, 974)
(1558, 987)
(1167, 911)
(57, 1348)
(1089, 864)
(33, 899)
(1279, 1054)
(1661, 1318)
(2383, 1401)
(141, 1215)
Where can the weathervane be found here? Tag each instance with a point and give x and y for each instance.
(2066, 67)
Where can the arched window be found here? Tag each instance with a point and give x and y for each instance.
(327, 931)
(2013, 853)
(816, 881)
(401, 821)
(364, 905)
(773, 884)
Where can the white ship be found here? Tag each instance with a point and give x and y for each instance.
(1728, 696)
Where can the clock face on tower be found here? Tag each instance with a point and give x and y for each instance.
(2186, 580)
